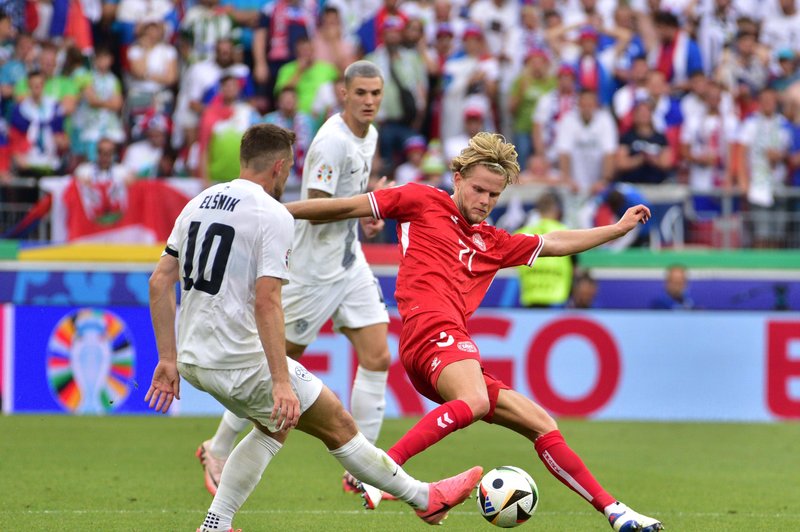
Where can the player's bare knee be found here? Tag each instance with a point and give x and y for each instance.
(479, 404)
(375, 360)
(341, 429)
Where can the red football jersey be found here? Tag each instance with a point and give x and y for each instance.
(447, 263)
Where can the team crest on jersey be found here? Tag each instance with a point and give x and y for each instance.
(478, 241)
(325, 173)
(302, 373)
(300, 326)
(467, 346)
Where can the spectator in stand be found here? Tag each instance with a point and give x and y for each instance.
(131, 15)
(643, 156)
(786, 73)
(200, 84)
(288, 116)
(496, 18)
(667, 117)
(281, 24)
(596, 69)
(716, 29)
(548, 285)
(142, 158)
(707, 142)
(693, 101)
(550, 110)
(222, 126)
(782, 30)
(56, 86)
(445, 14)
(627, 25)
(328, 101)
(153, 69)
(371, 33)
(765, 139)
(533, 82)
(437, 55)
(103, 183)
(674, 53)
(305, 75)
(744, 64)
(100, 107)
(474, 121)
(586, 141)
(676, 294)
(205, 23)
(403, 70)
(16, 69)
(331, 45)
(584, 291)
(37, 140)
(527, 35)
(7, 35)
(473, 72)
(539, 172)
(411, 170)
(626, 97)
(434, 168)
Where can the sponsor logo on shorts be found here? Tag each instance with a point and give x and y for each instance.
(435, 363)
(476, 238)
(445, 340)
(300, 326)
(469, 347)
(302, 373)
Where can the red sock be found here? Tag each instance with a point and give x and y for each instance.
(436, 424)
(568, 467)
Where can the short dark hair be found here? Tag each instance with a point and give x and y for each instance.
(666, 18)
(264, 143)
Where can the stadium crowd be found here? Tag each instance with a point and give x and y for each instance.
(593, 93)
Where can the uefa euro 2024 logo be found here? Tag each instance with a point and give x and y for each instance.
(90, 361)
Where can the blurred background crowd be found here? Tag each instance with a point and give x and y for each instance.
(693, 104)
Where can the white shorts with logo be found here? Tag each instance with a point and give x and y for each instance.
(247, 392)
(353, 302)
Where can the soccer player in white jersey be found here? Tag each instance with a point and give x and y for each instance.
(230, 247)
(331, 278)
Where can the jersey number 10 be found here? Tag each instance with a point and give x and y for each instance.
(220, 262)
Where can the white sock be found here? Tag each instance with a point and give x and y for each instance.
(368, 401)
(229, 428)
(614, 508)
(240, 476)
(371, 465)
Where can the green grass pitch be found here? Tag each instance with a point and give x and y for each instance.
(140, 474)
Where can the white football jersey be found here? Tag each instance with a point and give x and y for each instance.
(225, 238)
(339, 163)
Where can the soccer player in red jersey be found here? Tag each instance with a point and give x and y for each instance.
(449, 257)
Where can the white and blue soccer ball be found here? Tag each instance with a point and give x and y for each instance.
(507, 496)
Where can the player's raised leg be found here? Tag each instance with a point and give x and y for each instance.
(214, 452)
(518, 413)
(463, 389)
(328, 421)
(368, 396)
(242, 472)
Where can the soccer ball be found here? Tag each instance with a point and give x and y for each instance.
(507, 496)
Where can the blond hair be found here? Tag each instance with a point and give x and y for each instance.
(493, 152)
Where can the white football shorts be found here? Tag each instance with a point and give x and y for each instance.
(247, 392)
(353, 302)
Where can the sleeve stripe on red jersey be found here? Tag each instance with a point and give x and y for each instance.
(373, 203)
(536, 251)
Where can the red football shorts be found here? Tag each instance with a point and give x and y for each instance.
(427, 348)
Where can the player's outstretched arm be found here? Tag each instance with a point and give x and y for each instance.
(332, 209)
(570, 242)
(166, 382)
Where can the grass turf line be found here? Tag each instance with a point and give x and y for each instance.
(140, 473)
